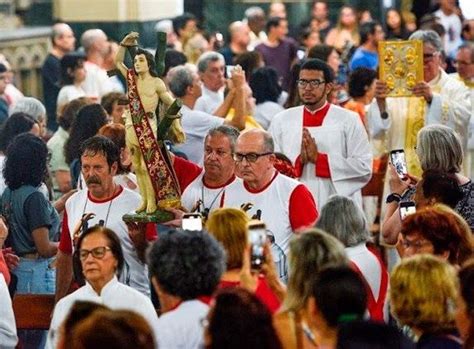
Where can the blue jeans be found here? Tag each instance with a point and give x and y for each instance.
(35, 276)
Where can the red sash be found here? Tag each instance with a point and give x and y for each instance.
(161, 172)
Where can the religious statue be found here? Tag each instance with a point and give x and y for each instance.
(146, 131)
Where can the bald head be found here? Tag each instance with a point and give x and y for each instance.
(277, 9)
(262, 137)
(239, 33)
(94, 40)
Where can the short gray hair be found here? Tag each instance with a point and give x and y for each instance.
(58, 30)
(343, 219)
(30, 106)
(439, 148)
(90, 36)
(180, 78)
(428, 37)
(206, 58)
(228, 131)
(254, 12)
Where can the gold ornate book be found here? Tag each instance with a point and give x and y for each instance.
(401, 66)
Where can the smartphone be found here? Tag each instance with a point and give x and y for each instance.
(398, 160)
(406, 208)
(191, 221)
(257, 239)
(228, 71)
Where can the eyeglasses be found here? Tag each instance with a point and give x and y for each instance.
(416, 245)
(98, 252)
(457, 63)
(250, 157)
(313, 83)
(219, 153)
(429, 56)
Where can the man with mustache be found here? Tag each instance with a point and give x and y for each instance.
(105, 202)
(208, 190)
(328, 145)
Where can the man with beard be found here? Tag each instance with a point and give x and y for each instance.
(208, 190)
(328, 145)
(104, 202)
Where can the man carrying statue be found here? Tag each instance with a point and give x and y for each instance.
(145, 132)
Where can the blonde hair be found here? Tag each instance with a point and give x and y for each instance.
(229, 227)
(309, 253)
(423, 291)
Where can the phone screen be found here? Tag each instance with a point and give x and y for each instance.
(398, 160)
(228, 71)
(191, 221)
(407, 208)
(257, 240)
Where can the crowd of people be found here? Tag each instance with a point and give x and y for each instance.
(285, 131)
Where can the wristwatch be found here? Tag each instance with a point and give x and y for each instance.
(384, 115)
(393, 197)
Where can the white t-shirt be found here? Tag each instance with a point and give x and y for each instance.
(264, 113)
(196, 125)
(8, 337)
(209, 100)
(453, 26)
(181, 327)
(114, 295)
(68, 93)
(97, 83)
(135, 273)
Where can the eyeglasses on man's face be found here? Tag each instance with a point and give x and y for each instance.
(313, 83)
(250, 157)
(98, 252)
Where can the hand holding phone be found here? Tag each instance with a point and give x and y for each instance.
(192, 221)
(398, 160)
(257, 233)
(406, 208)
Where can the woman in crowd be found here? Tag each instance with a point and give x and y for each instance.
(423, 292)
(342, 218)
(87, 123)
(465, 304)
(33, 108)
(266, 91)
(33, 222)
(361, 91)
(17, 123)
(101, 260)
(396, 28)
(73, 74)
(438, 148)
(439, 231)
(114, 329)
(346, 32)
(229, 227)
(251, 322)
(309, 253)
(327, 54)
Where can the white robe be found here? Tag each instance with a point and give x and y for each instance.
(8, 337)
(342, 137)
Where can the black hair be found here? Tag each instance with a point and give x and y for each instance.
(340, 295)
(443, 187)
(108, 100)
(187, 264)
(367, 29)
(26, 162)
(101, 145)
(317, 64)
(359, 80)
(3, 68)
(264, 85)
(179, 22)
(89, 120)
(273, 22)
(17, 123)
(321, 51)
(150, 60)
(173, 58)
(69, 63)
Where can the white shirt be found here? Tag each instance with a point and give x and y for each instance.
(114, 295)
(135, 273)
(8, 337)
(264, 113)
(209, 100)
(453, 26)
(68, 93)
(196, 125)
(181, 328)
(97, 83)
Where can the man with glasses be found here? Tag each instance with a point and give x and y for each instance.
(327, 144)
(284, 204)
(208, 190)
(439, 99)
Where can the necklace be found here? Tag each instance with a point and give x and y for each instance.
(207, 209)
(102, 223)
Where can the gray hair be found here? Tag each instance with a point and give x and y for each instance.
(228, 131)
(468, 46)
(343, 219)
(180, 78)
(30, 106)
(254, 12)
(428, 37)
(90, 36)
(165, 25)
(439, 148)
(58, 30)
(310, 252)
(206, 58)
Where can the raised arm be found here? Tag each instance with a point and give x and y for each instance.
(129, 40)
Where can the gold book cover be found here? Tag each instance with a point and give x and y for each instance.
(401, 66)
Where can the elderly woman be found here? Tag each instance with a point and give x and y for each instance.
(101, 257)
(423, 293)
(309, 253)
(185, 268)
(229, 227)
(437, 230)
(35, 109)
(438, 148)
(342, 218)
(465, 304)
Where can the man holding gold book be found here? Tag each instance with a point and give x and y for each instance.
(437, 99)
